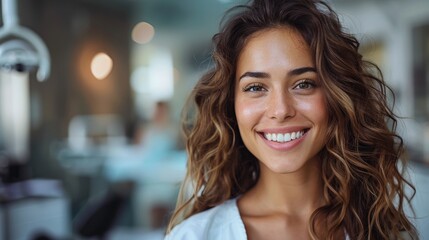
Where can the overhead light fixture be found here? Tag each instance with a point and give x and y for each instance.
(143, 32)
(101, 65)
(23, 49)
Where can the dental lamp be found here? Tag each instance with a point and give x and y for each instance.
(22, 50)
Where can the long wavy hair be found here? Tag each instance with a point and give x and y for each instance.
(362, 170)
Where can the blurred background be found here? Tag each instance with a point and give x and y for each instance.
(91, 93)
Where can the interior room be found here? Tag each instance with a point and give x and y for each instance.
(91, 97)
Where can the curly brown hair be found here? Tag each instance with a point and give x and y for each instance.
(362, 168)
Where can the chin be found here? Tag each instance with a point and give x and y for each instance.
(292, 165)
(282, 168)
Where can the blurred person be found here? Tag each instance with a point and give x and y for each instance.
(159, 135)
(162, 164)
(134, 132)
(293, 137)
(151, 161)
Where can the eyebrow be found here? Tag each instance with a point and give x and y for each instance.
(294, 72)
(255, 75)
(302, 70)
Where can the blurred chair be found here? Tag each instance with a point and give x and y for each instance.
(29, 208)
(100, 215)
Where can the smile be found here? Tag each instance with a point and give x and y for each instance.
(284, 137)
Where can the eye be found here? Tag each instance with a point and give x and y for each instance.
(305, 84)
(255, 87)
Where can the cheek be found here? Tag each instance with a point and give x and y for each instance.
(247, 111)
(241, 112)
(316, 108)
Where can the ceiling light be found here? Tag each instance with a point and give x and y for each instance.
(142, 32)
(101, 65)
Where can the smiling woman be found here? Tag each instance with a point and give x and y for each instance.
(284, 144)
(279, 105)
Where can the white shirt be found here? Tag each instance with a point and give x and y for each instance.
(222, 222)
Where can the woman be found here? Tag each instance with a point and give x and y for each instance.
(293, 137)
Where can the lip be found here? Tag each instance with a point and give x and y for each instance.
(283, 130)
(284, 146)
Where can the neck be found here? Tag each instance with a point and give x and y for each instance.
(297, 193)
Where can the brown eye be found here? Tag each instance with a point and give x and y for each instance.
(305, 84)
(254, 88)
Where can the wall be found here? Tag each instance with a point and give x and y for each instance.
(73, 31)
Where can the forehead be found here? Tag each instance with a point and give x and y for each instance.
(286, 32)
(282, 45)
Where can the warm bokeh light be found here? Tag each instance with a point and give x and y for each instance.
(101, 65)
(156, 79)
(143, 32)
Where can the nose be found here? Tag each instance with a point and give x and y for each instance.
(280, 106)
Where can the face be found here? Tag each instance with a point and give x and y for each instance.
(280, 104)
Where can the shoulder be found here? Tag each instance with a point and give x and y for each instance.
(221, 222)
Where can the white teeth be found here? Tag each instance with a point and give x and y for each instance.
(280, 137)
(287, 137)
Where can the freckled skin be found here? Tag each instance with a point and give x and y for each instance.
(277, 101)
